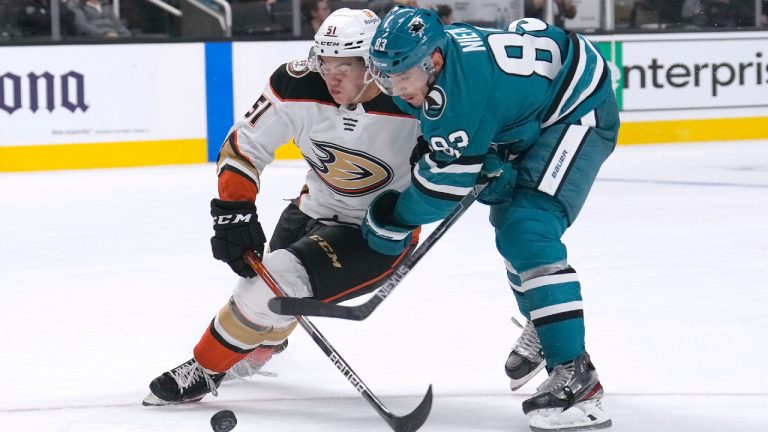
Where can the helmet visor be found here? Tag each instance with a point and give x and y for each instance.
(412, 80)
(381, 79)
(342, 67)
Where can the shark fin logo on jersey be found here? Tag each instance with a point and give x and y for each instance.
(434, 103)
(297, 68)
(348, 172)
(416, 27)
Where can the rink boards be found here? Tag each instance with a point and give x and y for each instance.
(115, 105)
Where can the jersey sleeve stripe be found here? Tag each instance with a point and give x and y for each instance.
(418, 206)
(231, 148)
(447, 180)
(241, 169)
(567, 85)
(580, 62)
(462, 165)
(237, 171)
(598, 76)
(446, 192)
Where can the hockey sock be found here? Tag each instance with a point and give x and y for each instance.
(557, 314)
(215, 354)
(515, 284)
(231, 336)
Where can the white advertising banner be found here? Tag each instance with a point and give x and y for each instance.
(101, 93)
(695, 74)
(254, 62)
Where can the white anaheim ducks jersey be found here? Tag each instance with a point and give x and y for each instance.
(354, 151)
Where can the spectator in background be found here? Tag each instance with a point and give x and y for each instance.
(663, 13)
(151, 21)
(563, 9)
(741, 13)
(764, 18)
(445, 12)
(34, 19)
(315, 12)
(721, 13)
(382, 7)
(93, 18)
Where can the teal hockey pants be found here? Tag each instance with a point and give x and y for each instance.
(555, 177)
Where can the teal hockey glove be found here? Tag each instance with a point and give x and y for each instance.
(379, 228)
(501, 178)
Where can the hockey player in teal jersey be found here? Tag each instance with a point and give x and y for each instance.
(532, 109)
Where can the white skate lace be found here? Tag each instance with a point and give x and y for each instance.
(189, 373)
(528, 344)
(557, 380)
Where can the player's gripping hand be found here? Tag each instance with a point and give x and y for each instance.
(501, 177)
(236, 229)
(379, 228)
(419, 150)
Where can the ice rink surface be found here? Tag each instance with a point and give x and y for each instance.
(108, 281)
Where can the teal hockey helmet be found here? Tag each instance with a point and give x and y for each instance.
(406, 38)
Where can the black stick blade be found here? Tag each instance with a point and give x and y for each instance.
(413, 421)
(296, 306)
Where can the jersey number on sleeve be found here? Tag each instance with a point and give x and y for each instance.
(257, 110)
(456, 141)
(526, 54)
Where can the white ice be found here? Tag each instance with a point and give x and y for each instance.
(108, 281)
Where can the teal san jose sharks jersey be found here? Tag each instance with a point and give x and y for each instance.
(497, 88)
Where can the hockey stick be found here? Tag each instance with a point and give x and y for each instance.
(311, 307)
(407, 423)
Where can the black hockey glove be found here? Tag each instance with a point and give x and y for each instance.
(237, 229)
(419, 150)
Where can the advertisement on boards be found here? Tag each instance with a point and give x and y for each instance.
(694, 74)
(689, 75)
(101, 93)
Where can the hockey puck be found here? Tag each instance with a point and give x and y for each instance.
(223, 421)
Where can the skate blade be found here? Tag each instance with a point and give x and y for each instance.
(587, 415)
(244, 375)
(152, 400)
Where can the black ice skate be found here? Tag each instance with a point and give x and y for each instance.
(254, 362)
(526, 359)
(569, 400)
(188, 382)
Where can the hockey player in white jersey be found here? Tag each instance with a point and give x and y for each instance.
(357, 144)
